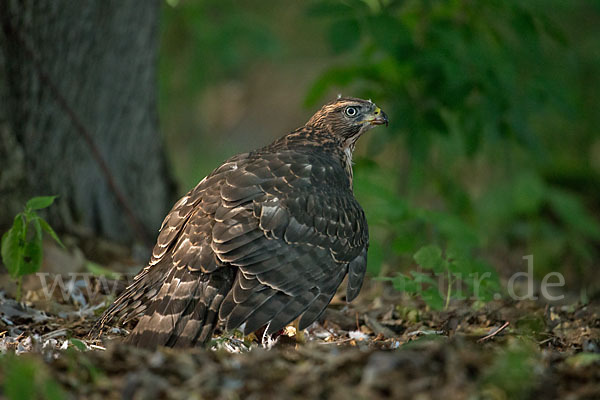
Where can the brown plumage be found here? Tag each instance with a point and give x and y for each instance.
(264, 239)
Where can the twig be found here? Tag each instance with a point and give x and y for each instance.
(12, 33)
(448, 294)
(377, 328)
(546, 340)
(425, 332)
(494, 333)
(337, 341)
(54, 334)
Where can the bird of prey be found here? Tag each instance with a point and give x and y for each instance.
(265, 239)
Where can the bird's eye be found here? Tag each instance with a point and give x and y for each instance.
(351, 111)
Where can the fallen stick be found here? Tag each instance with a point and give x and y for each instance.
(491, 335)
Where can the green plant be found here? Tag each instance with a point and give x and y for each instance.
(405, 229)
(443, 278)
(22, 243)
(24, 378)
(475, 159)
(513, 373)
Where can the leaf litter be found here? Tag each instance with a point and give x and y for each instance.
(382, 346)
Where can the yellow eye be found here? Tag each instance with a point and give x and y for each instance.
(351, 111)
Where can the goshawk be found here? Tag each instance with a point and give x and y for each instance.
(266, 238)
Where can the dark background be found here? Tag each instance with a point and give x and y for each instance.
(493, 144)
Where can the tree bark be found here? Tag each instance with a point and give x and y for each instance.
(78, 115)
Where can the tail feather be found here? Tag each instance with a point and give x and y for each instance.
(184, 313)
(175, 307)
(134, 300)
(314, 311)
(197, 327)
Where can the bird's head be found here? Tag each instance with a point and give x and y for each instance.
(347, 118)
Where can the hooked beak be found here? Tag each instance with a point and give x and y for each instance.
(379, 118)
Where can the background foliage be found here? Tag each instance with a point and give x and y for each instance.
(492, 153)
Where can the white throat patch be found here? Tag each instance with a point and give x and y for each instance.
(348, 151)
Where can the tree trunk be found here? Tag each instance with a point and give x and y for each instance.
(78, 115)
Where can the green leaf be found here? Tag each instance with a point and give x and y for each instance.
(37, 228)
(26, 379)
(13, 247)
(37, 203)
(404, 283)
(32, 257)
(404, 244)
(433, 298)
(99, 270)
(528, 193)
(430, 257)
(512, 372)
(420, 277)
(48, 229)
(462, 267)
(19, 378)
(32, 251)
(344, 35)
(452, 228)
(388, 32)
(79, 345)
(572, 212)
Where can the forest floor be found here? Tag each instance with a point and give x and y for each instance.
(383, 345)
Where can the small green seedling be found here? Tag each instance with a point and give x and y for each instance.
(22, 243)
(463, 277)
